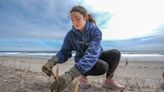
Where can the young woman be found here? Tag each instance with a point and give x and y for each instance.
(85, 39)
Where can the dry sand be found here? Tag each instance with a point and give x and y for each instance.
(23, 74)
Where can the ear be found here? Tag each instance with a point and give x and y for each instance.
(86, 17)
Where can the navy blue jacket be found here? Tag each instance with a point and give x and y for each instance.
(86, 44)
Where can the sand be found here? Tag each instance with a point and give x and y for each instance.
(23, 74)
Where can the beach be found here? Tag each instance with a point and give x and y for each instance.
(23, 74)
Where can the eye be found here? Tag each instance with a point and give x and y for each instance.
(78, 18)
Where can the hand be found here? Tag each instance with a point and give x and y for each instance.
(47, 68)
(64, 80)
(61, 83)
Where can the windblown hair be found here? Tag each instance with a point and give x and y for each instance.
(84, 12)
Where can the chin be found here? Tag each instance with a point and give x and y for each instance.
(78, 28)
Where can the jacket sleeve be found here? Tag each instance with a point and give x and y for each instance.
(92, 53)
(65, 52)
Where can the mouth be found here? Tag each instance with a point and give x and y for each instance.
(76, 26)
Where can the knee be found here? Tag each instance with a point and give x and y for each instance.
(116, 52)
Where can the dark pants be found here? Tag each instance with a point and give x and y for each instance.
(106, 64)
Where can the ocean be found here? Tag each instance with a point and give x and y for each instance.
(125, 56)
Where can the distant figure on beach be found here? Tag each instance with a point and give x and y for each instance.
(126, 62)
(85, 39)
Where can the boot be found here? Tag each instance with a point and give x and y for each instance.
(113, 84)
(83, 82)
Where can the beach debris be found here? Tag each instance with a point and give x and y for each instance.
(76, 85)
(56, 74)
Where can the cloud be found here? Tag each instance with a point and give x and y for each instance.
(154, 42)
(33, 19)
(43, 19)
(35, 25)
(130, 18)
(43, 24)
(149, 43)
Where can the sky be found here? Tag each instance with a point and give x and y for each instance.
(41, 25)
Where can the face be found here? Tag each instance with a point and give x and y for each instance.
(78, 20)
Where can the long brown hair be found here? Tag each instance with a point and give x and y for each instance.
(84, 12)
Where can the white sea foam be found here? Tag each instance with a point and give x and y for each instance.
(125, 56)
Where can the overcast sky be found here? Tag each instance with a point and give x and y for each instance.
(42, 24)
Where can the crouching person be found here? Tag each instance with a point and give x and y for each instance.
(85, 39)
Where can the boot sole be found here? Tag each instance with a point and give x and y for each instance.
(112, 88)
